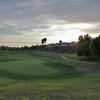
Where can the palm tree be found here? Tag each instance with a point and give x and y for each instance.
(44, 40)
(60, 42)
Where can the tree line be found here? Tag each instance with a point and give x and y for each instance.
(87, 46)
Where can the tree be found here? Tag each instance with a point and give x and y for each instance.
(81, 38)
(83, 45)
(60, 42)
(95, 48)
(44, 40)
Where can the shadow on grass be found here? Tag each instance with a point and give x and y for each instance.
(8, 60)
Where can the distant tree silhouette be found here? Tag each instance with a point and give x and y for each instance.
(81, 38)
(44, 40)
(60, 42)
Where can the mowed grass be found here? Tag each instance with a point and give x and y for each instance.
(37, 75)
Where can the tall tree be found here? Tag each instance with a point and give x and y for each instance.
(44, 40)
(83, 45)
(96, 46)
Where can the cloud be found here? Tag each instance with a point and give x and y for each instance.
(94, 30)
(40, 18)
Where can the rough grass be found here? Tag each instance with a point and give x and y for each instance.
(36, 75)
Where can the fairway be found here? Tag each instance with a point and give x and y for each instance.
(37, 75)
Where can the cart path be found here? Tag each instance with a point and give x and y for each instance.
(81, 66)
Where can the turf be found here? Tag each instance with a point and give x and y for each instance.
(36, 75)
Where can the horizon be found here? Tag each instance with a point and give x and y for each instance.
(26, 22)
(29, 44)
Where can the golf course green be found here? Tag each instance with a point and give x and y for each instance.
(39, 75)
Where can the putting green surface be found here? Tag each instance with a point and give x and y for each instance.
(36, 75)
(29, 66)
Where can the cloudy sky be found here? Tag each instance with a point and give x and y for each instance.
(26, 22)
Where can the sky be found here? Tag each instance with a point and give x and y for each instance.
(26, 22)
